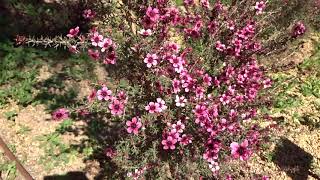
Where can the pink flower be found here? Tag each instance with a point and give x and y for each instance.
(188, 2)
(116, 107)
(105, 44)
(96, 39)
(152, 107)
(225, 99)
(83, 112)
(231, 25)
(144, 32)
(180, 101)
(205, 4)
(176, 61)
(60, 114)
(173, 47)
(73, 32)
(162, 104)
(88, 14)
(260, 6)
(134, 125)
(178, 127)
(207, 79)
(169, 143)
(92, 95)
(109, 152)
(200, 110)
(220, 47)
(153, 14)
(122, 96)
(267, 83)
(240, 151)
(104, 94)
(185, 139)
(151, 60)
(73, 49)
(265, 178)
(176, 86)
(94, 54)
(298, 29)
(110, 58)
(199, 92)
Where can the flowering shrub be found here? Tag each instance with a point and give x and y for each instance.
(189, 86)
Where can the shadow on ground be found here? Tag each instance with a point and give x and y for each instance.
(293, 160)
(77, 175)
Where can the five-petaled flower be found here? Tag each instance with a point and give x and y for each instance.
(169, 143)
(116, 107)
(180, 101)
(60, 114)
(152, 107)
(240, 150)
(134, 125)
(151, 60)
(96, 39)
(73, 32)
(144, 32)
(153, 14)
(105, 44)
(260, 6)
(104, 94)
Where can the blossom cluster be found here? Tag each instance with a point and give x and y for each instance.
(204, 100)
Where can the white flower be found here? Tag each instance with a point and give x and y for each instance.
(162, 104)
(180, 101)
(144, 32)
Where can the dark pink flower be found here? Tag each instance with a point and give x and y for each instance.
(110, 58)
(96, 39)
(104, 94)
(73, 49)
(88, 14)
(207, 79)
(205, 3)
(105, 44)
(92, 95)
(109, 152)
(94, 54)
(116, 107)
(185, 139)
(60, 114)
(298, 29)
(240, 150)
(169, 143)
(178, 127)
(260, 6)
(151, 60)
(188, 2)
(73, 32)
(153, 14)
(176, 85)
(152, 107)
(200, 92)
(83, 112)
(134, 125)
(122, 96)
(220, 47)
